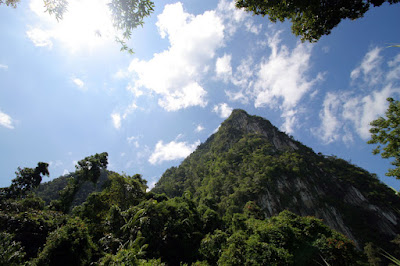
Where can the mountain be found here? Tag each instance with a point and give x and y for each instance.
(249, 159)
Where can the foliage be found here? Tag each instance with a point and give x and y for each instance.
(215, 215)
(12, 3)
(128, 15)
(26, 180)
(56, 7)
(391, 258)
(310, 19)
(70, 244)
(88, 169)
(11, 252)
(237, 169)
(372, 254)
(28, 222)
(386, 132)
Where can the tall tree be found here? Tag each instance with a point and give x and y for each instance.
(88, 169)
(26, 180)
(311, 19)
(386, 133)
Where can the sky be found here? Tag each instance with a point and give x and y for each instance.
(67, 92)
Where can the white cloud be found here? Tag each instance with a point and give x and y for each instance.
(283, 76)
(223, 110)
(199, 128)
(78, 82)
(180, 69)
(290, 120)
(134, 140)
(357, 108)
(369, 68)
(191, 95)
(250, 27)
(329, 130)
(121, 74)
(65, 172)
(362, 111)
(394, 73)
(40, 37)
(171, 151)
(86, 24)
(132, 107)
(6, 120)
(223, 68)
(116, 119)
(233, 17)
(282, 79)
(4, 67)
(151, 185)
(278, 81)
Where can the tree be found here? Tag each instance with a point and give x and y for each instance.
(88, 169)
(126, 14)
(12, 3)
(310, 19)
(386, 133)
(70, 244)
(11, 252)
(26, 180)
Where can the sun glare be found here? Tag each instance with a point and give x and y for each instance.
(86, 24)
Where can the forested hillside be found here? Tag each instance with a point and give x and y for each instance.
(249, 195)
(249, 159)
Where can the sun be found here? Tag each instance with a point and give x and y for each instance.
(86, 24)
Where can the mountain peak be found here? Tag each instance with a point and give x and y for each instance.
(241, 122)
(238, 112)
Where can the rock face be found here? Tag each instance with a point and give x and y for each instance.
(250, 159)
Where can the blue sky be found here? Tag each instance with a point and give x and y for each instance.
(67, 92)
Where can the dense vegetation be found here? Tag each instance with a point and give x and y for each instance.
(125, 224)
(205, 212)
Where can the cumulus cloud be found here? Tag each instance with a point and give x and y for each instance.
(278, 81)
(6, 120)
(356, 108)
(223, 68)
(223, 110)
(180, 69)
(116, 120)
(282, 78)
(233, 17)
(171, 151)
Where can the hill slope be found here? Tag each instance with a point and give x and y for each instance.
(249, 159)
